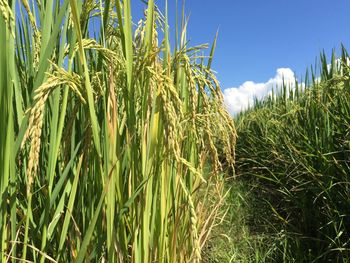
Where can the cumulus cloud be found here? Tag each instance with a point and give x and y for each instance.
(240, 98)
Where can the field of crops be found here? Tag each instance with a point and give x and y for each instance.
(293, 150)
(108, 135)
(116, 146)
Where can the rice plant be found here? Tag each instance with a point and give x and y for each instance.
(108, 139)
(293, 148)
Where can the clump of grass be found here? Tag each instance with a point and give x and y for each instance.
(105, 140)
(293, 147)
(237, 238)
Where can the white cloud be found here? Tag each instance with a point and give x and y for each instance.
(239, 98)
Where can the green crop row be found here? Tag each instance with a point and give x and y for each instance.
(293, 147)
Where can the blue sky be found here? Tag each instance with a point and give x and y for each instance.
(256, 38)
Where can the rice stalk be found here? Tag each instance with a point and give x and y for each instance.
(120, 135)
